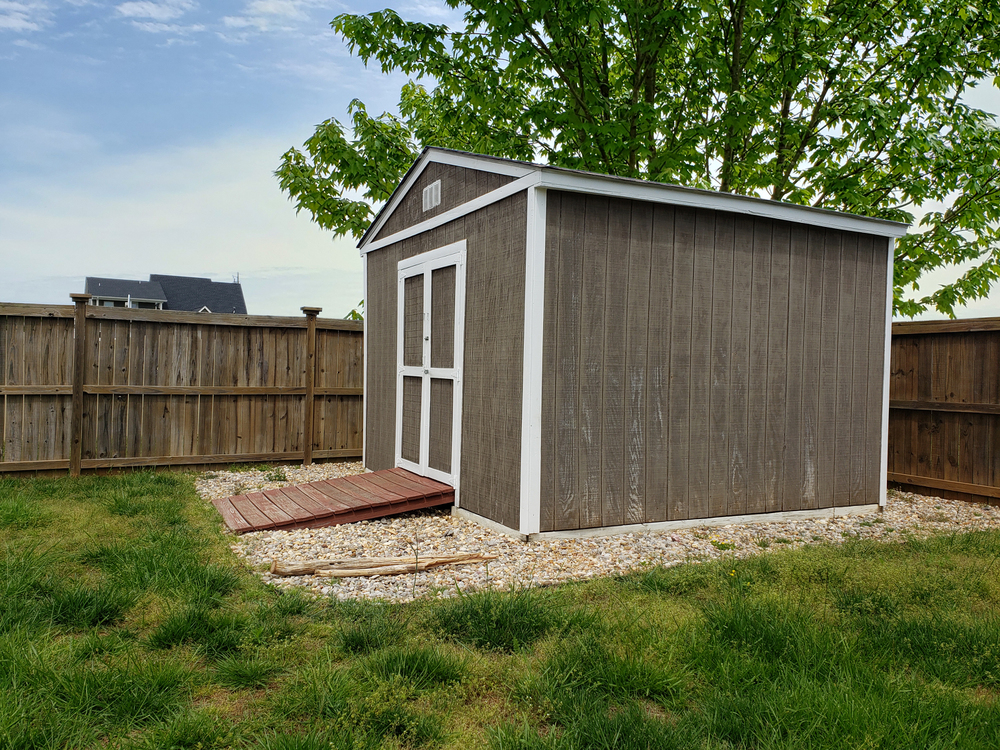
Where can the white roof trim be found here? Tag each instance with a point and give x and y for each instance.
(556, 178)
(594, 184)
(453, 158)
(466, 208)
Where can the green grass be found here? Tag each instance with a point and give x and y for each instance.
(126, 621)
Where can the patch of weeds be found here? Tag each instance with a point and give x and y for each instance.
(276, 475)
(865, 604)
(369, 626)
(26, 586)
(82, 608)
(123, 695)
(677, 580)
(591, 724)
(723, 545)
(96, 644)
(243, 468)
(762, 542)
(19, 514)
(245, 671)
(167, 561)
(586, 665)
(216, 634)
(186, 731)
(498, 620)
(782, 540)
(336, 739)
(384, 714)
(421, 668)
(866, 524)
(319, 691)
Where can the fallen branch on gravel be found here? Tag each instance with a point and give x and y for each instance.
(350, 567)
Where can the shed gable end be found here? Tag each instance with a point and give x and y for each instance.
(458, 185)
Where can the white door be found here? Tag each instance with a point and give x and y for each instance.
(430, 331)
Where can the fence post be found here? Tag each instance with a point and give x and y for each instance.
(79, 352)
(310, 402)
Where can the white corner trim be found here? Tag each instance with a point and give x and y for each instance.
(531, 391)
(364, 355)
(441, 219)
(884, 457)
(594, 184)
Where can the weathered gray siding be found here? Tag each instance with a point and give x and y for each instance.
(458, 185)
(494, 344)
(702, 364)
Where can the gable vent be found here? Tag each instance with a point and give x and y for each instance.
(432, 195)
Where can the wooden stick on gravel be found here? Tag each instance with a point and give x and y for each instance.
(349, 567)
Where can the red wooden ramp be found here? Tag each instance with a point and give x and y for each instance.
(333, 501)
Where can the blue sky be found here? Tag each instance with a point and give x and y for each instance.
(140, 137)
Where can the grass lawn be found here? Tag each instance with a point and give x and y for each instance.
(126, 622)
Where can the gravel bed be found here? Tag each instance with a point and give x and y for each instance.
(548, 562)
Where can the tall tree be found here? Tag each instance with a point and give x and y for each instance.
(829, 103)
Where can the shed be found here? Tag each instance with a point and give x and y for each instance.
(576, 353)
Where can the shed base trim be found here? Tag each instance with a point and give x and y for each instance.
(491, 525)
(792, 515)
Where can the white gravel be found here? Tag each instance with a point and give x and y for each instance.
(552, 561)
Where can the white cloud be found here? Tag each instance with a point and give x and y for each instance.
(274, 15)
(155, 27)
(166, 10)
(211, 210)
(23, 16)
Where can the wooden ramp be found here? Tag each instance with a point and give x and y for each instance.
(333, 501)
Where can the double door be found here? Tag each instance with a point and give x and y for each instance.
(430, 333)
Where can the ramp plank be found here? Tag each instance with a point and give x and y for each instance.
(333, 501)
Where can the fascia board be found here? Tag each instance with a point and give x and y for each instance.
(658, 193)
(475, 204)
(436, 156)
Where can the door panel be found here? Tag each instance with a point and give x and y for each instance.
(443, 317)
(429, 356)
(413, 321)
(441, 416)
(412, 402)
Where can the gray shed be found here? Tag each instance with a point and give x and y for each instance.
(576, 352)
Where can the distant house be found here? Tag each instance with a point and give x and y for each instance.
(164, 292)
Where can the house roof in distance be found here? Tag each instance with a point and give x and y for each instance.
(147, 291)
(194, 294)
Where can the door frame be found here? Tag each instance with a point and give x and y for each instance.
(453, 254)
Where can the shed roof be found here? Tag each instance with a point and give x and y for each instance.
(147, 291)
(573, 180)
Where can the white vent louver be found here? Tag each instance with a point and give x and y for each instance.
(432, 195)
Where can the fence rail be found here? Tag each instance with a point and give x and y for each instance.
(86, 387)
(944, 407)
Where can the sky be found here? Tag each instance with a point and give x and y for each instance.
(141, 137)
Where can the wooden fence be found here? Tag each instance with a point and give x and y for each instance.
(158, 388)
(944, 399)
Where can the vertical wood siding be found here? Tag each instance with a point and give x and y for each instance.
(494, 346)
(458, 185)
(701, 364)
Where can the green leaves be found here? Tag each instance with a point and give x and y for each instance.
(831, 103)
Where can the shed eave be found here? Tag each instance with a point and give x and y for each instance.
(559, 178)
(556, 178)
